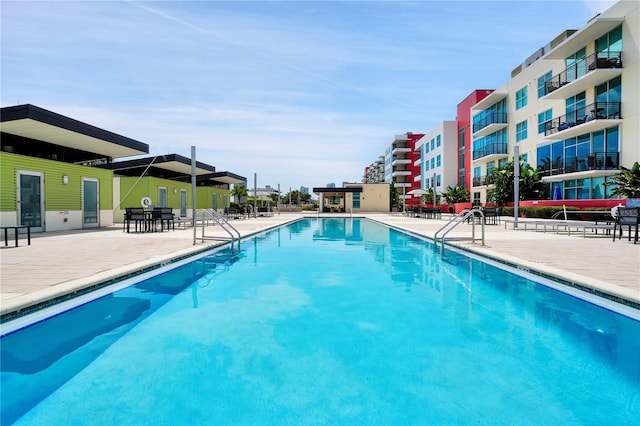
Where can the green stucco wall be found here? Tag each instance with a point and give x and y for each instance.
(133, 189)
(57, 195)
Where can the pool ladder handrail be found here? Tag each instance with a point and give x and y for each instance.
(457, 220)
(204, 215)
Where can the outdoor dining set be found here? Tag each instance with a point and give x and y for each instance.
(147, 220)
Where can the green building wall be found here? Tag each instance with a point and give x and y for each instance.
(58, 196)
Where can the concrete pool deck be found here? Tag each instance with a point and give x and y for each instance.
(59, 263)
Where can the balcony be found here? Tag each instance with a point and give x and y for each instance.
(490, 124)
(400, 161)
(584, 73)
(481, 181)
(400, 150)
(582, 166)
(591, 118)
(400, 173)
(491, 152)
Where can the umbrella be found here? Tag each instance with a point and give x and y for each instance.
(557, 193)
(418, 191)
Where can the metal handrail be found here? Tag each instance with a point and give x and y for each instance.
(457, 220)
(212, 214)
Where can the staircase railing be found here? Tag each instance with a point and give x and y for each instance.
(457, 220)
(203, 216)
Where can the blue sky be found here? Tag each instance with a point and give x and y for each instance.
(299, 92)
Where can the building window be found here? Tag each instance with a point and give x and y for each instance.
(476, 198)
(490, 166)
(433, 163)
(576, 65)
(542, 83)
(521, 98)
(438, 182)
(544, 120)
(610, 42)
(433, 144)
(575, 108)
(438, 161)
(438, 141)
(356, 200)
(521, 131)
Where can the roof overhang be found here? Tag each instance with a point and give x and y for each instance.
(337, 190)
(33, 122)
(580, 175)
(175, 163)
(225, 178)
(596, 28)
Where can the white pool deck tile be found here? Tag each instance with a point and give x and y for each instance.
(58, 263)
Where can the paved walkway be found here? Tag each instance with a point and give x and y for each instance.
(58, 263)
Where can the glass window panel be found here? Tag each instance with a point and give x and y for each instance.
(597, 188)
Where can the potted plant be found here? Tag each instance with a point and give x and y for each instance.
(627, 184)
(457, 196)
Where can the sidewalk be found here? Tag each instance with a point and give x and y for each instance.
(58, 263)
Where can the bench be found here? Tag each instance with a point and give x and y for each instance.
(15, 231)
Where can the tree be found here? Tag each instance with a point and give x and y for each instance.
(394, 198)
(428, 197)
(531, 186)
(456, 195)
(238, 192)
(627, 182)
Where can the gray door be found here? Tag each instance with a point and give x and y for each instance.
(183, 203)
(31, 200)
(90, 208)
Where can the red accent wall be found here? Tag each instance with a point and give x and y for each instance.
(412, 138)
(463, 118)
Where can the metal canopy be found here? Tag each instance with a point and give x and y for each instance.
(30, 121)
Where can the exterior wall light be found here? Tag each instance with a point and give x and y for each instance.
(65, 180)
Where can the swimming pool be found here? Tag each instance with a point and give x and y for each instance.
(339, 321)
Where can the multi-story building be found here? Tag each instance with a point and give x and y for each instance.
(436, 158)
(400, 168)
(374, 173)
(463, 118)
(572, 109)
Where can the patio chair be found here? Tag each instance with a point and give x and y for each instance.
(137, 216)
(629, 217)
(491, 215)
(166, 216)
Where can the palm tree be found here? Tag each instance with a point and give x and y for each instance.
(456, 195)
(627, 182)
(238, 192)
(530, 185)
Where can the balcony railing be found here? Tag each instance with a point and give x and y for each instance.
(492, 149)
(581, 163)
(595, 111)
(482, 180)
(492, 118)
(598, 60)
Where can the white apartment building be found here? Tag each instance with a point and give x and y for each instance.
(572, 109)
(375, 172)
(438, 157)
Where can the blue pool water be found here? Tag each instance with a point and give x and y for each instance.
(330, 321)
